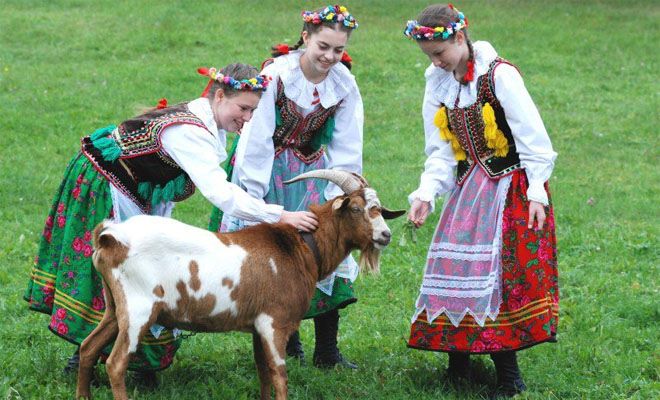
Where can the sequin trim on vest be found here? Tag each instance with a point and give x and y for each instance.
(468, 126)
(131, 157)
(304, 135)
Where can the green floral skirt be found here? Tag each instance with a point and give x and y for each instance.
(64, 283)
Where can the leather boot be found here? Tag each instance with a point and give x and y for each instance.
(326, 353)
(146, 379)
(459, 367)
(509, 380)
(294, 347)
(73, 362)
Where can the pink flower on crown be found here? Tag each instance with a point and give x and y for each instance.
(60, 313)
(88, 236)
(75, 192)
(61, 221)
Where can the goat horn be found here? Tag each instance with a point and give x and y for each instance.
(347, 181)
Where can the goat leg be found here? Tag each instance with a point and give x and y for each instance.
(262, 368)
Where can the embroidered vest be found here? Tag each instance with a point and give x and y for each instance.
(305, 135)
(131, 157)
(468, 126)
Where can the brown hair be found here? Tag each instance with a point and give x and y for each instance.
(311, 30)
(237, 71)
(442, 15)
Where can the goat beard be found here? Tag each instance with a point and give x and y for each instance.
(370, 260)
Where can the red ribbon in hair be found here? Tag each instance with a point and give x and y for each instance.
(205, 72)
(282, 48)
(162, 103)
(346, 58)
(469, 74)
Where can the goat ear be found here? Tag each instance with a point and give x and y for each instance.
(341, 202)
(391, 214)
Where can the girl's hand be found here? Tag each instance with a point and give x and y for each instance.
(419, 210)
(302, 220)
(536, 210)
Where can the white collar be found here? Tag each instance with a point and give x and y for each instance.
(445, 88)
(336, 86)
(202, 110)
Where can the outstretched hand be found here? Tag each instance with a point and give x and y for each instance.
(302, 220)
(536, 211)
(419, 210)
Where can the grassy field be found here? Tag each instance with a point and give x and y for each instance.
(68, 67)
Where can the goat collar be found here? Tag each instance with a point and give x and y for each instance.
(311, 243)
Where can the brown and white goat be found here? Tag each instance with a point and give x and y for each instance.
(258, 280)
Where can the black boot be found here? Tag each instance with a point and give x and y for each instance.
(73, 362)
(146, 379)
(459, 367)
(509, 380)
(326, 353)
(294, 348)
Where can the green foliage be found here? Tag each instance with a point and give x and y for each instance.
(70, 67)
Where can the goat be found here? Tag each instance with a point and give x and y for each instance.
(258, 280)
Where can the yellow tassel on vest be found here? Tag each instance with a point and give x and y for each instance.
(440, 120)
(495, 138)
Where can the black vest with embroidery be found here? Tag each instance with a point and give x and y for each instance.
(304, 135)
(467, 124)
(131, 157)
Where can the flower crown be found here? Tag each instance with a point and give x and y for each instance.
(335, 14)
(418, 32)
(258, 83)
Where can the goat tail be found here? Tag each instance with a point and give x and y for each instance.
(110, 246)
(370, 260)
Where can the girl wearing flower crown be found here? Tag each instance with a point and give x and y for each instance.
(490, 285)
(309, 118)
(143, 166)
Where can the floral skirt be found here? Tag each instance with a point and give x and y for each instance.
(64, 283)
(529, 311)
(336, 291)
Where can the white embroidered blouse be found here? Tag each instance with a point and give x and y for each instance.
(255, 152)
(532, 142)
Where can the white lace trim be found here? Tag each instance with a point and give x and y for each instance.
(439, 283)
(460, 256)
(445, 88)
(336, 86)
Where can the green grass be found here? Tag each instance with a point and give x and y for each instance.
(68, 67)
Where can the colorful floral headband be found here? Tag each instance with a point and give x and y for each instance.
(335, 14)
(418, 32)
(258, 83)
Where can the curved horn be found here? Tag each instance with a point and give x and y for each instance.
(347, 181)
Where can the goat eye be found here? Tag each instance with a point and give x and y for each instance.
(356, 209)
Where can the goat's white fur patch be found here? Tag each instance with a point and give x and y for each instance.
(160, 253)
(273, 266)
(378, 224)
(264, 326)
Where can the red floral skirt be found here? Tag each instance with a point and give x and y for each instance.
(530, 294)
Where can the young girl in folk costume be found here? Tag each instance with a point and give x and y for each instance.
(142, 166)
(490, 285)
(309, 118)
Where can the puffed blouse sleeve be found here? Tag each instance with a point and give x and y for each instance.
(532, 141)
(255, 152)
(344, 151)
(200, 154)
(439, 169)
